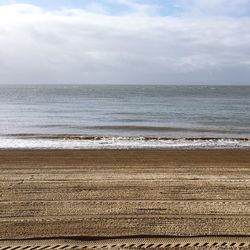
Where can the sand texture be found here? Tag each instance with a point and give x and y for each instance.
(124, 193)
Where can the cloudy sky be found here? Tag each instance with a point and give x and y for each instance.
(125, 41)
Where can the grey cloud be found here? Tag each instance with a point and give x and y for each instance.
(76, 46)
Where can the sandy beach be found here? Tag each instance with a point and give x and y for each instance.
(121, 193)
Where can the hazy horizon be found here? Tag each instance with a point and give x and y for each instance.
(131, 84)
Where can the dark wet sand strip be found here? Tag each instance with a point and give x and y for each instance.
(116, 193)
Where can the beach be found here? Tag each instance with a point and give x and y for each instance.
(122, 193)
(124, 124)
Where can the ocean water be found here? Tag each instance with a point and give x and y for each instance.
(124, 116)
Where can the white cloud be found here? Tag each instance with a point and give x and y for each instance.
(79, 46)
(214, 7)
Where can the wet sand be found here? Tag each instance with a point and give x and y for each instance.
(68, 193)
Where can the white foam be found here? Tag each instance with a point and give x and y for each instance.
(121, 143)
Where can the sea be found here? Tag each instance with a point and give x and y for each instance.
(124, 116)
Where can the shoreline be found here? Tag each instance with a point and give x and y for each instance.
(209, 156)
(119, 143)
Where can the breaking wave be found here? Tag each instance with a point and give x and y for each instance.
(33, 141)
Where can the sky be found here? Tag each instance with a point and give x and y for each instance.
(125, 42)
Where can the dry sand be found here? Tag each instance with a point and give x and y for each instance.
(62, 193)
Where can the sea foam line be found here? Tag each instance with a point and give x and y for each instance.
(122, 143)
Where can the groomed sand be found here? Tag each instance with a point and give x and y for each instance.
(124, 193)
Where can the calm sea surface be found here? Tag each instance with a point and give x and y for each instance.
(125, 111)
